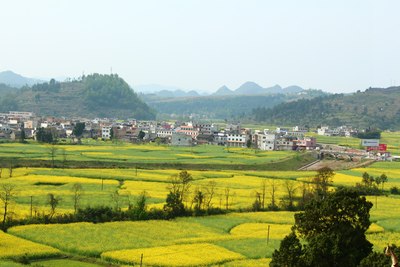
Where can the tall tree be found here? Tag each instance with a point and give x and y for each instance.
(334, 228)
(7, 194)
(290, 253)
(53, 202)
(322, 180)
(77, 193)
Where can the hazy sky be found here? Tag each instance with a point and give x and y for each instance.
(338, 46)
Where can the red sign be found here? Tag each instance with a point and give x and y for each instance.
(380, 148)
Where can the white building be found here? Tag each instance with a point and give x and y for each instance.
(106, 132)
(266, 141)
(237, 140)
(164, 133)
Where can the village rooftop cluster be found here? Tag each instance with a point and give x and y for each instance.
(177, 133)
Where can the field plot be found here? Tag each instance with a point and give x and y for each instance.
(175, 255)
(98, 186)
(13, 247)
(233, 239)
(145, 153)
(231, 234)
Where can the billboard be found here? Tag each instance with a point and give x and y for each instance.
(370, 142)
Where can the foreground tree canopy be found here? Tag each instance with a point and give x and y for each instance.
(333, 229)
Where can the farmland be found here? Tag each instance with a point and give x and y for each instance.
(238, 238)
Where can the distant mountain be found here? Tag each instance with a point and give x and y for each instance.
(292, 89)
(376, 107)
(161, 91)
(15, 80)
(250, 88)
(223, 106)
(153, 88)
(224, 90)
(93, 96)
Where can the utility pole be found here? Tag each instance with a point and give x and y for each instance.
(31, 205)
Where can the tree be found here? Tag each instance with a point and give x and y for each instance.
(365, 178)
(174, 205)
(78, 130)
(53, 152)
(7, 194)
(334, 228)
(322, 181)
(210, 192)
(290, 253)
(290, 187)
(378, 259)
(272, 205)
(141, 135)
(77, 192)
(112, 133)
(181, 184)
(53, 201)
(257, 202)
(64, 157)
(248, 143)
(22, 136)
(263, 193)
(10, 170)
(198, 201)
(384, 179)
(138, 211)
(116, 198)
(44, 135)
(227, 195)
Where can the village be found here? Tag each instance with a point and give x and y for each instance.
(17, 125)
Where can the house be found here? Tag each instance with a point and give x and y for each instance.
(220, 138)
(237, 140)
(181, 139)
(106, 132)
(285, 143)
(188, 129)
(266, 141)
(306, 143)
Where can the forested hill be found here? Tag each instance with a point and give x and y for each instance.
(376, 107)
(91, 96)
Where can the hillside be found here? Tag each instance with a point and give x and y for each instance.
(223, 107)
(15, 80)
(376, 107)
(93, 96)
(5, 89)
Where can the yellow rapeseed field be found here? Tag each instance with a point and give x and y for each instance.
(175, 255)
(260, 230)
(11, 246)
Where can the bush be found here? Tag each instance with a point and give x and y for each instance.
(394, 190)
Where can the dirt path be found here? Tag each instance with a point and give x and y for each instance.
(338, 165)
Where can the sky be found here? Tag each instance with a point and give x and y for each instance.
(337, 46)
